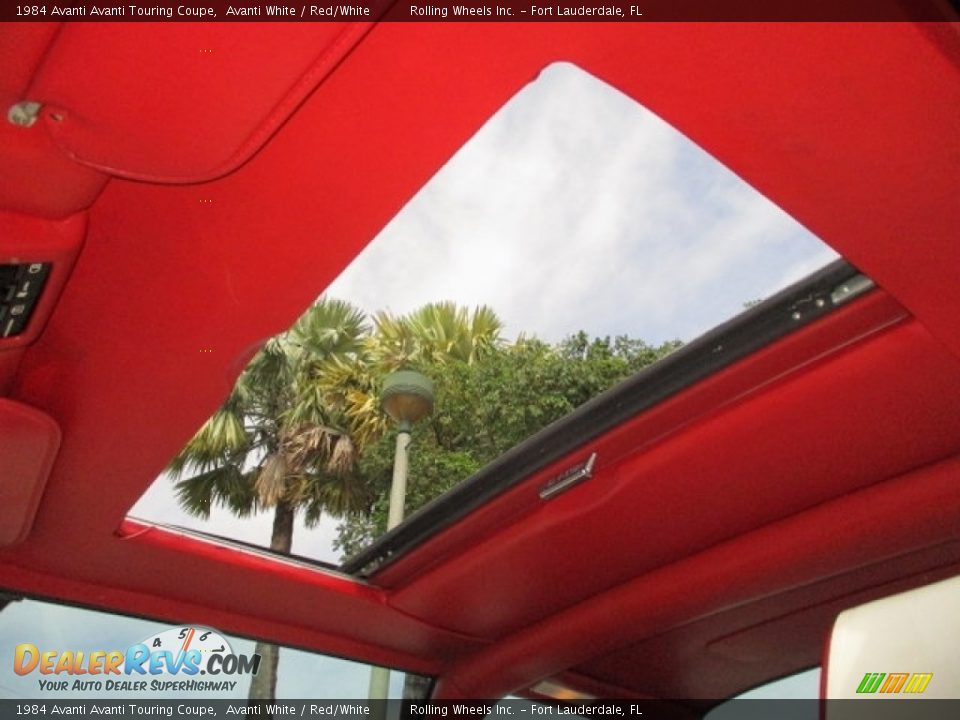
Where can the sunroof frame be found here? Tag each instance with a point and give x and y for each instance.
(792, 308)
(708, 353)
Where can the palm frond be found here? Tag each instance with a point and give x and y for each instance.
(393, 344)
(329, 328)
(313, 448)
(222, 437)
(270, 482)
(338, 497)
(222, 485)
(342, 459)
(267, 375)
(433, 334)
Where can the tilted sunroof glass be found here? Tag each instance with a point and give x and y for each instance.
(575, 240)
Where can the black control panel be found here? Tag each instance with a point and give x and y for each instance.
(20, 286)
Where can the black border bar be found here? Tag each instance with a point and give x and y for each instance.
(487, 11)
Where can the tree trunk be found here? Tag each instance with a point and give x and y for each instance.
(263, 686)
(415, 687)
(281, 540)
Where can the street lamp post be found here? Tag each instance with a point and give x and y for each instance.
(407, 397)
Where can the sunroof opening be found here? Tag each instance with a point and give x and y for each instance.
(576, 239)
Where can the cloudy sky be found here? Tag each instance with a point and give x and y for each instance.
(572, 208)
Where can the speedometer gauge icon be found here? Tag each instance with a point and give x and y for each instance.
(183, 638)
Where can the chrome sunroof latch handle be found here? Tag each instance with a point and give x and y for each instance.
(849, 289)
(573, 476)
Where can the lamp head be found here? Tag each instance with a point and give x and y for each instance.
(407, 396)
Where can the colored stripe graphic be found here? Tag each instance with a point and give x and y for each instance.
(870, 682)
(918, 682)
(894, 682)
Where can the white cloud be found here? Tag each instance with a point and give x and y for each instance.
(575, 208)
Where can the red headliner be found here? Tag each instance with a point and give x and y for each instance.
(853, 129)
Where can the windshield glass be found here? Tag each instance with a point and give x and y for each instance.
(65, 652)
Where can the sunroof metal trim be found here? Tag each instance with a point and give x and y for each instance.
(788, 310)
(574, 476)
(242, 546)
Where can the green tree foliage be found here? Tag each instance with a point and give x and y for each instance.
(278, 443)
(302, 431)
(289, 436)
(485, 407)
(431, 336)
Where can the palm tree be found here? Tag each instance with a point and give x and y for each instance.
(280, 442)
(288, 436)
(434, 334)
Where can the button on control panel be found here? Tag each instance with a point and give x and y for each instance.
(20, 286)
